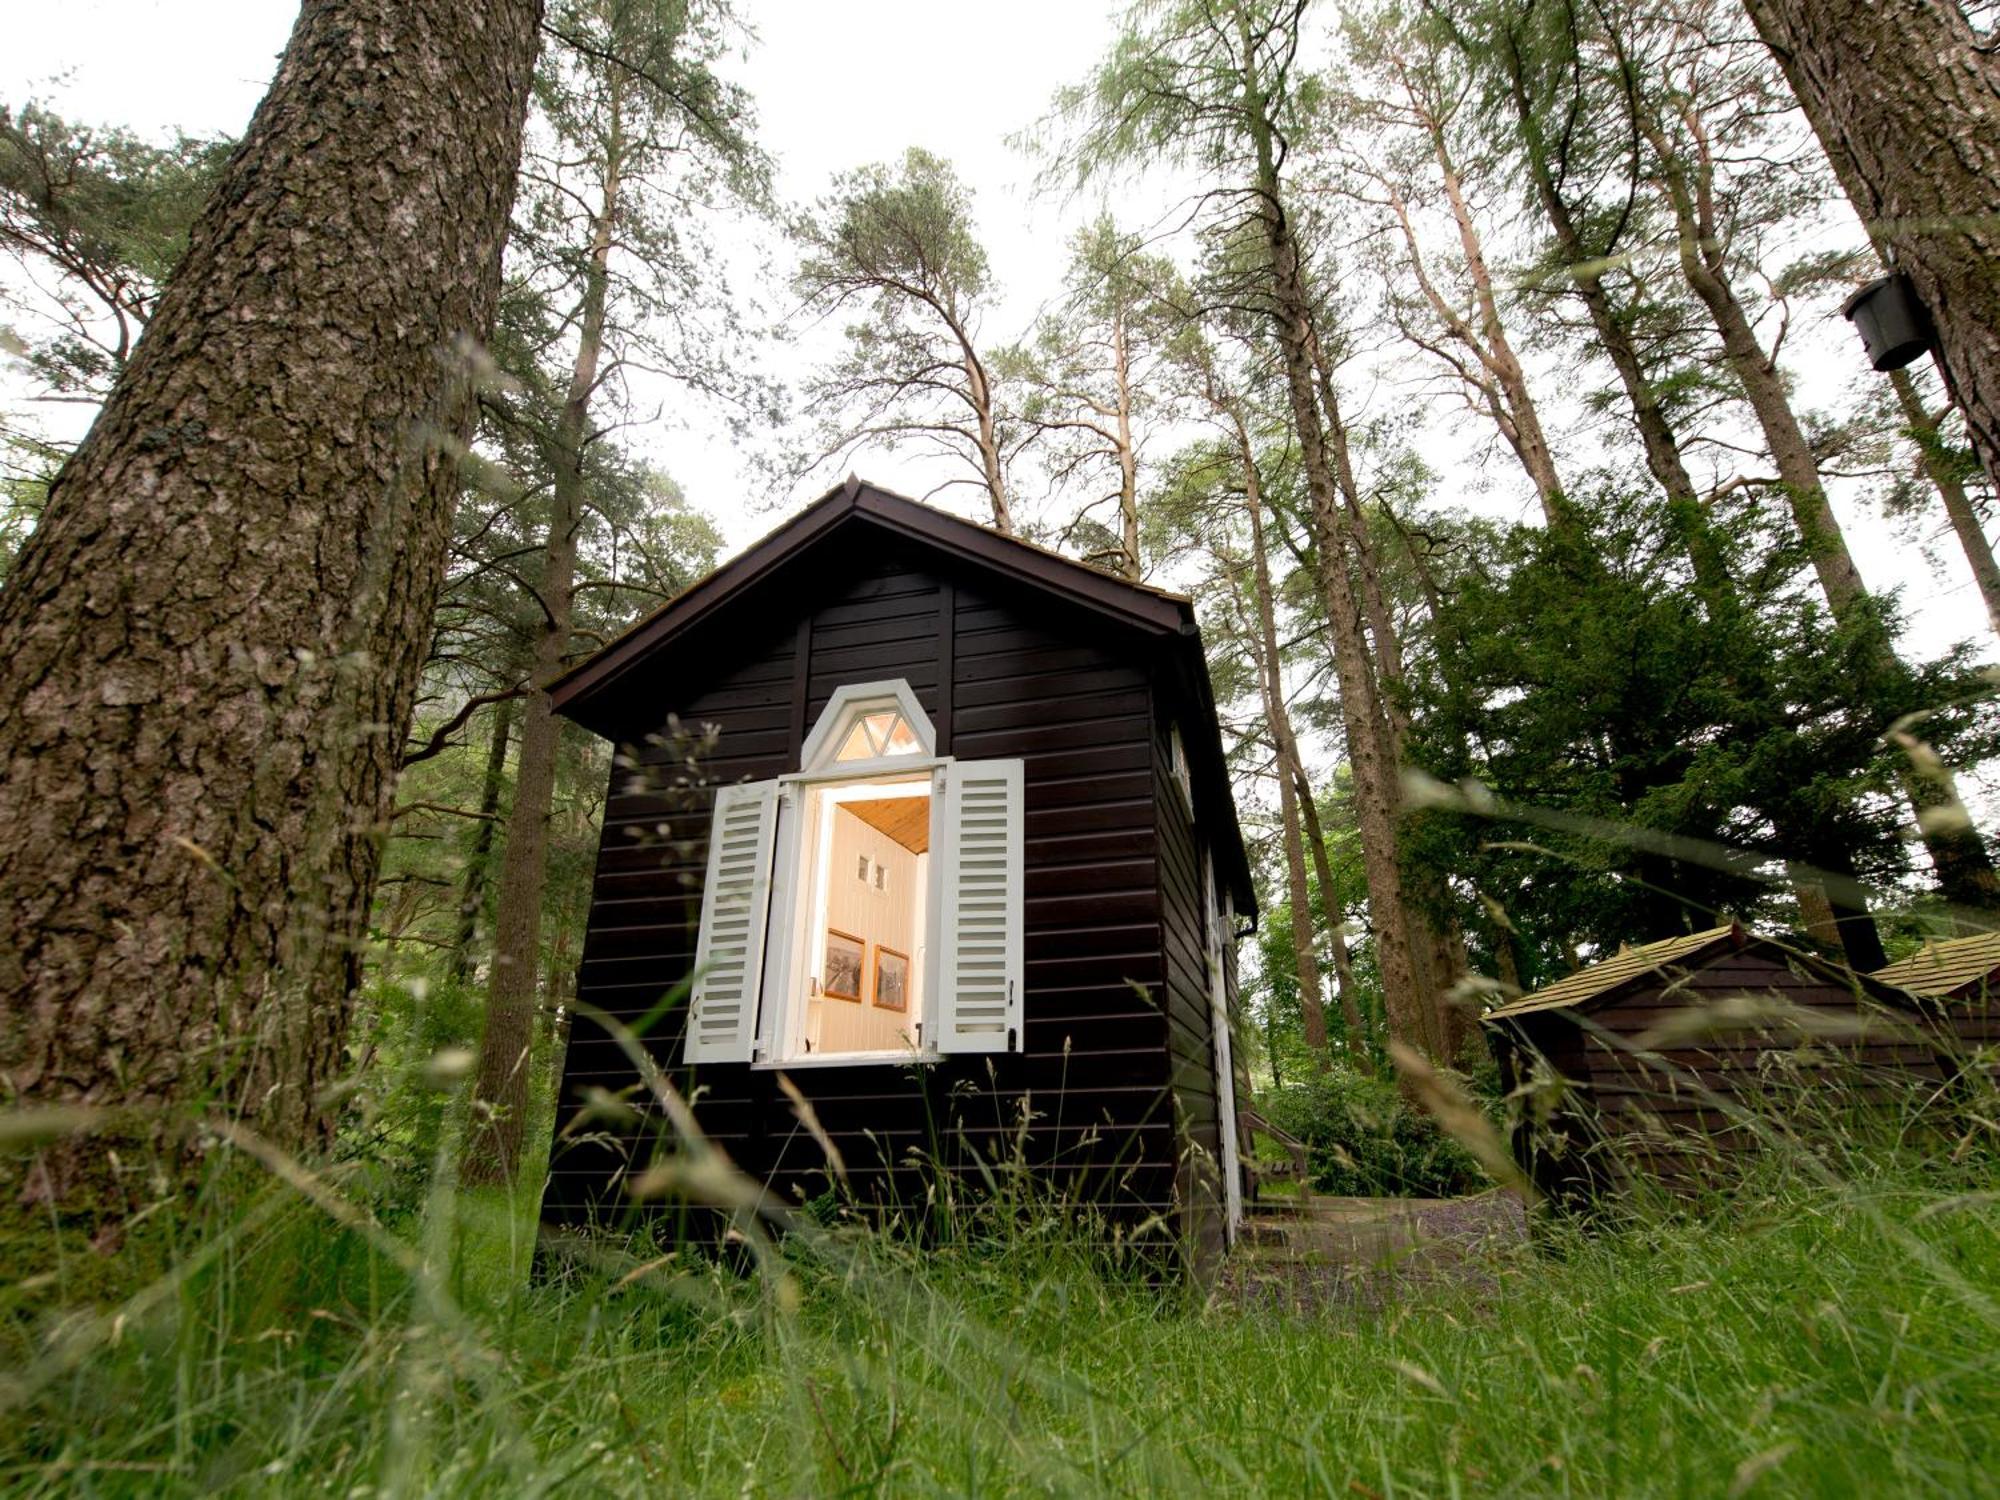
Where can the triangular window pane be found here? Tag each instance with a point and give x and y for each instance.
(857, 745)
(878, 727)
(876, 733)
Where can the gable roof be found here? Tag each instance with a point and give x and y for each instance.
(1946, 968)
(1594, 980)
(584, 690)
(1140, 605)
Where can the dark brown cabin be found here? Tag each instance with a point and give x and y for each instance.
(960, 861)
(1655, 1043)
(1961, 978)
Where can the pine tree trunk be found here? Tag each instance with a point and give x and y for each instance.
(1905, 97)
(1705, 268)
(1376, 795)
(501, 1090)
(1958, 506)
(1584, 268)
(1360, 1045)
(1523, 429)
(1381, 626)
(1376, 798)
(1685, 507)
(1270, 678)
(1439, 955)
(479, 858)
(1305, 959)
(210, 647)
(1128, 459)
(990, 469)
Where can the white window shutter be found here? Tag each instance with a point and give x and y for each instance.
(980, 976)
(735, 904)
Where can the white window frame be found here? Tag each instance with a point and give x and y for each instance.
(848, 705)
(780, 1041)
(973, 925)
(1178, 769)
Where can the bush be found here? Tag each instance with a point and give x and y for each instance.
(411, 1060)
(1363, 1140)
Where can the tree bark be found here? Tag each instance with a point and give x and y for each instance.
(1523, 428)
(501, 1090)
(1958, 506)
(1128, 456)
(980, 393)
(1411, 1020)
(1685, 507)
(478, 859)
(1501, 382)
(210, 647)
(1381, 626)
(1439, 954)
(1905, 97)
(1360, 1047)
(1584, 267)
(1270, 678)
(1704, 266)
(1305, 958)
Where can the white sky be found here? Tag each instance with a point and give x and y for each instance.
(838, 85)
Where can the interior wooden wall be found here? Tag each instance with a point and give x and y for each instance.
(891, 917)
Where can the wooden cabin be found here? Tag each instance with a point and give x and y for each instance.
(934, 823)
(1654, 1043)
(1961, 977)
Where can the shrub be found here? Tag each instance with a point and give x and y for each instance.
(1363, 1140)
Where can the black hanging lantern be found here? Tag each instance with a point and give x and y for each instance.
(1895, 325)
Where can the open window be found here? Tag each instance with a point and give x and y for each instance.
(868, 907)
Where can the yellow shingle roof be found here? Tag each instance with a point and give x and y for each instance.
(1593, 980)
(1946, 967)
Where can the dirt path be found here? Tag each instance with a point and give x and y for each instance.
(1364, 1252)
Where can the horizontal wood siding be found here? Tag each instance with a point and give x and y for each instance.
(1969, 1018)
(1664, 1118)
(1086, 1099)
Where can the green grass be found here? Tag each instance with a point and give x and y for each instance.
(1802, 1339)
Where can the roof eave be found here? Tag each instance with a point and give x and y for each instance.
(1733, 936)
(1742, 939)
(1147, 609)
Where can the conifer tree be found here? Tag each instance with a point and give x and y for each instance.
(211, 643)
(894, 248)
(640, 131)
(1211, 83)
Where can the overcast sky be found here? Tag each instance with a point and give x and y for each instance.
(838, 85)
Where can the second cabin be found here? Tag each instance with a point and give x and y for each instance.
(1653, 1063)
(935, 824)
(1960, 978)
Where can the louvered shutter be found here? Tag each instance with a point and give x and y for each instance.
(735, 904)
(980, 974)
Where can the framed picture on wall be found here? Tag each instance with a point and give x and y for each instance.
(844, 955)
(892, 979)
